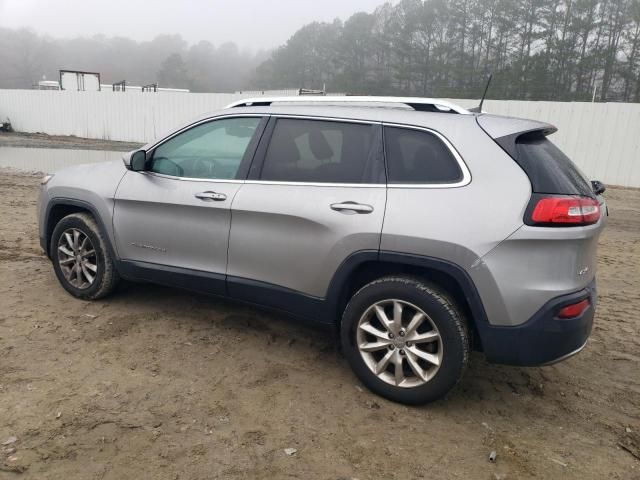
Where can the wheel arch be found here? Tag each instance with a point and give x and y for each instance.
(58, 208)
(364, 267)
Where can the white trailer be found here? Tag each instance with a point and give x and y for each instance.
(77, 81)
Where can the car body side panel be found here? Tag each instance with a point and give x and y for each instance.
(536, 264)
(94, 184)
(462, 224)
(158, 219)
(288, 235)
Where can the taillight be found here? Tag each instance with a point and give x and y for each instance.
(574, 310)
(562, 210)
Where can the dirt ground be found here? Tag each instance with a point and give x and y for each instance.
(163, 384)
(41, 140)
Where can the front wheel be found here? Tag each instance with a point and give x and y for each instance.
(405, 339)
(81, 258)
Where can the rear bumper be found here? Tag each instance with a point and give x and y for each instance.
(544, 338)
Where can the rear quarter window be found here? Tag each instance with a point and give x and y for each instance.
(419, 157)
(549, 170)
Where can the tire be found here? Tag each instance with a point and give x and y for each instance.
(441, 338)
(98, 265)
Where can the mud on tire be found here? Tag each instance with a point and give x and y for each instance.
(420, 381)
(105, 276)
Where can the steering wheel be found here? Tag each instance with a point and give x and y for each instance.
(205, 167)
(178, 168)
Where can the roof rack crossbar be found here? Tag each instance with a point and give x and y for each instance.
(417, 103)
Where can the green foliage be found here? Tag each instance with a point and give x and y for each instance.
(537, 50)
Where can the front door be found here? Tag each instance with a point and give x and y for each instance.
(175, 216)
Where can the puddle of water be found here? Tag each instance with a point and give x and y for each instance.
(49, 160)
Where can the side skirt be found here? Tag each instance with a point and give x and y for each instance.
(194, 280)
(252, 292)
(279, 298)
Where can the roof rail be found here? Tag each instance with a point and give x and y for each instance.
(417, 103)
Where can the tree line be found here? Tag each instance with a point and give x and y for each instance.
(536, 49)
(25, 57)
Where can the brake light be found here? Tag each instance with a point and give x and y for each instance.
(574, 310)
(565, 210)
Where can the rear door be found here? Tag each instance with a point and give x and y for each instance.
(177, 213)
(316, 194)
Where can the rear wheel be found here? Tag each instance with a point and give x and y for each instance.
(81, 258)
(405, 339)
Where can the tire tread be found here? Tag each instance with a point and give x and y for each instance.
(426, 288)
(110, 277)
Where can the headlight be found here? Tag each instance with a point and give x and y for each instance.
(46, 179)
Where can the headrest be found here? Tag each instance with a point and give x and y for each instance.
(319, 145)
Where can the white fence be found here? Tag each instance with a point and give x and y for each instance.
(602, 138)
(133, 117)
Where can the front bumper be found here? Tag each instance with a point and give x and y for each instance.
(43, 244)
(544, 338)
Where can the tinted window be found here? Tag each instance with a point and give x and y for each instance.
(549, 170)
(320, 151)
(415, 156)
(212, 150)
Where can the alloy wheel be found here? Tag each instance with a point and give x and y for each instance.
(77, 258)
(399, 343)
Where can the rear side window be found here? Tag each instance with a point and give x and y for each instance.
(317, 151)
(416, 156)
(549, 170)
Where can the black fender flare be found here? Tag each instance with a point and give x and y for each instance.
(351, 263)
(72, 202)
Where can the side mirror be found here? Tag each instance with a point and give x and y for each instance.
(598, 187)
(135, 160)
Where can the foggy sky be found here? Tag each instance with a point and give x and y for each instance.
(254, 24)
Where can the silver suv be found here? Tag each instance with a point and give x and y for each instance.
(418, 229)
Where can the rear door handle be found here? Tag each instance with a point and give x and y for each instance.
(352, 206)
(217, 197)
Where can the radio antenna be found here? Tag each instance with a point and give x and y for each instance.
(478, 109)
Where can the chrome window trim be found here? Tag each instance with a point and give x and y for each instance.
(466, 174)
(189, 127)
(266, 182)
(317, 184)
(321, 184)
(202, 121)
(191, 179)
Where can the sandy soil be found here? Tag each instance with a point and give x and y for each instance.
(41, 140)
(163, 384)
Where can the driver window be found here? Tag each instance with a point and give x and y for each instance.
(211, 150)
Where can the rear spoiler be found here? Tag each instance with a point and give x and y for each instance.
(497, 126)
(505, 130)
(559, 177)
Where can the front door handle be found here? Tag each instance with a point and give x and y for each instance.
(217, 197)
(352, 207)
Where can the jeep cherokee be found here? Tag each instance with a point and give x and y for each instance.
(420, 230)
